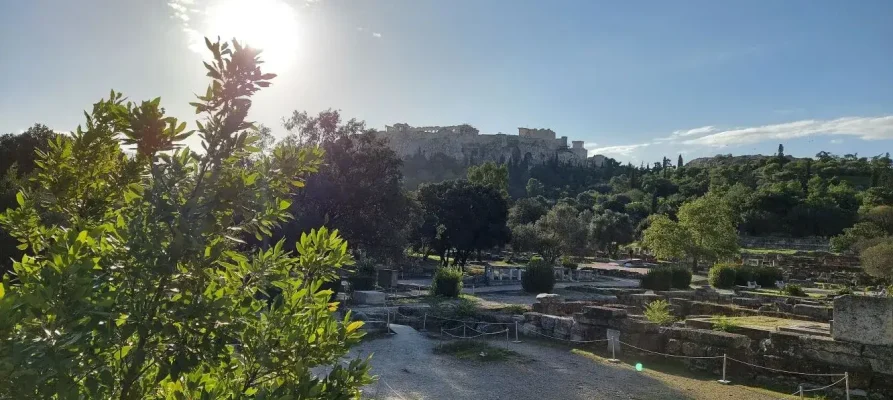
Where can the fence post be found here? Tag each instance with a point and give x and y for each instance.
(723, 380)
(846, 381)
(389, 321)
(463, 330)
(424, 322)
(516, 333)
(800, 390)
(613, 358)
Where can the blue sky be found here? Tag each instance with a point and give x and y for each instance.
(634, 80)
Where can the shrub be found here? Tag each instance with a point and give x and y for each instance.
(744, 274)
(660, 278)
(722, 275)
(658, 311)
(447, 282)
(680, 277)
(844, 291)
(723, 324)
(566, 262)
(136, 283)
(794, 290)
(539, 277)
(766, 276)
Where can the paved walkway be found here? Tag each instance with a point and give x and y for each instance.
(410, 370)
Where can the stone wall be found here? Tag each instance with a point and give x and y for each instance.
(870, 366)
(861, 319)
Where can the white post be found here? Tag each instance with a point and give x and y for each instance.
(389, 321)
(424, 322)
(800, 391)
(723, 380)
(463, 330)
(516, 333)
(846, 381)
(613, 358)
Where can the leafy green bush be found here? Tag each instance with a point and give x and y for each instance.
(568, 263)
(680, 277)
(794, 290)
(136, 281)
(766, 276)
(844, 291)
(659, 278)
(658, 311)
(723, 324)
(722, 275)
(539, 276)
(447, 282)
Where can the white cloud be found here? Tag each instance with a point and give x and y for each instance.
(376, 35)
(694, 132)
(705, 137)
(623, 150)
(866, 128)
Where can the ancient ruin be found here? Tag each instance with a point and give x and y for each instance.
(465, 144)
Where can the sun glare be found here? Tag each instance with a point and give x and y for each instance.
(270, 25)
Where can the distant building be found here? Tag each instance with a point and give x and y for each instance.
(465, 144)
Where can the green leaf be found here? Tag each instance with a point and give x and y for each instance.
(284, 205)
(22, 246)
(20, 198)
(82, 237)
(2, 291)
(121, 319)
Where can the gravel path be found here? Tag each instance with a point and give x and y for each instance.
(409, 370)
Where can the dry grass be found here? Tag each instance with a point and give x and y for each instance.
(694, 385)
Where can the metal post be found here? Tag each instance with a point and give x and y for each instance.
(613, 358)
(390, 332)
(424, 322)
(800, 391)
(846, 381)
(463, 330)
(516, 333)
(723, 380)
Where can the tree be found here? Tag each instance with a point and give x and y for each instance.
(705, 231)
(325, 127)
(463, 218)
(492, 175)
(610, 229)
(133, 285)
(527, 211)
(535, 188)
(564, 226)
(855, 234)
(357, 191)
(877, 260)
(17, 156)
(679, 162)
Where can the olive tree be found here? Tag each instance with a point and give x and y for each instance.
(134, 285)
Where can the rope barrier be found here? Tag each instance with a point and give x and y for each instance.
(571, 340)
(667, 355)
(824, 387)
(472, 337)
(392, 389)
(781, 370)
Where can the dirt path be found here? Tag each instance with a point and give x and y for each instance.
(409, 370)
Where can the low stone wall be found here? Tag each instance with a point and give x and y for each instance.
(870, 366)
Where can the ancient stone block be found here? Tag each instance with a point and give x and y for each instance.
(692, 349)
(879, 352)
(547, 322)
(715, 338)
(533, 318)
(881, 366)
(631, 325)
(599, 312)
(863, 319)
(548, 298)
(831, 346)
(747, 302)
(845, 361)
(674, 347)
(563, 326)
(818, 312)
(368, 297)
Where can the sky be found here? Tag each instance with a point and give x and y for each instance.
(635, 80)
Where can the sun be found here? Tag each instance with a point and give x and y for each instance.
(270, 25)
